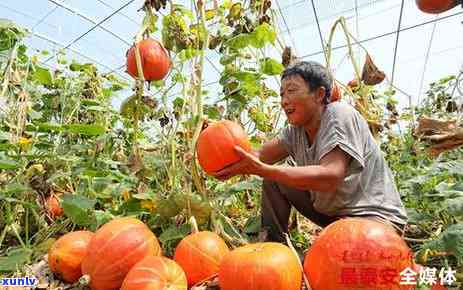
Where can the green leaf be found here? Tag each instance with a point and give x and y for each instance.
(84, 129)
(250, 184)
(150, 21)
(230, 229)
(16, 188)
(15, 259)
(183, 10)
(415, 217)
(46, 127)
(246, 76)
(227, 59)
(239, 42)
(90, 102)
(8, 164)
(178, 103)
(6, 146)
(260, 119)
(102, 217)
(43, 76)
(253, 225)
(87, 67)
(174, 233)
(271, 67)
(212, 112)
(235, 11)
(453, 167)
(4, 136)
(188, 53)
(455, 206)
(79, 209)
(452, 239)
(262, 35)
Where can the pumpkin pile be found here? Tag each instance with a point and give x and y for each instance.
(125, 254)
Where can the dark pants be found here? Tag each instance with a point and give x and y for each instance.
(277, 200)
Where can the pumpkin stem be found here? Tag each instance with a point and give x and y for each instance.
(194, 225)
(84, 280)
(290, 245)
(205, 124)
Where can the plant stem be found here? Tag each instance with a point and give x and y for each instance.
(198, 75)
(139, 83)
(6, 75)
(2, 236)
(27, 226)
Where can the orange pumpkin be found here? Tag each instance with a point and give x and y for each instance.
(199, 255)
(66, 254)
(357, 253)
(114, 249)
(155, 273)
(215, 147)
(53, 206)
(154, 60)
(335, 93)
(269, 266)
(436, 6)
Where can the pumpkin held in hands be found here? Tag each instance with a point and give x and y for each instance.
(154, 60)
(436, 6)
(269, 266)
(215, 147)
(114, 249)
(66, 254)
(349, 247)
(199, 255)
(155, 273)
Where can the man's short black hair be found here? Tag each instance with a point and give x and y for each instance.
(315, 75)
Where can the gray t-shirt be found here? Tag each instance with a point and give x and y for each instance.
(368, 188)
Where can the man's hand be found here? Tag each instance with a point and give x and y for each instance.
(249, 164)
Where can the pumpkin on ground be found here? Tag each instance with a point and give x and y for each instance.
(357, 252)
(155, 273)
(436, 6)
(53, 206)
(269, 266)
(200, 254)
(154, 60)
(66, 254)
(114, 249)
(215, 147)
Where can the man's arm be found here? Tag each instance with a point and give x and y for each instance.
(272, 152)
(322, 178)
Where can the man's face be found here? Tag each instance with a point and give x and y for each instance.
(298, 102)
